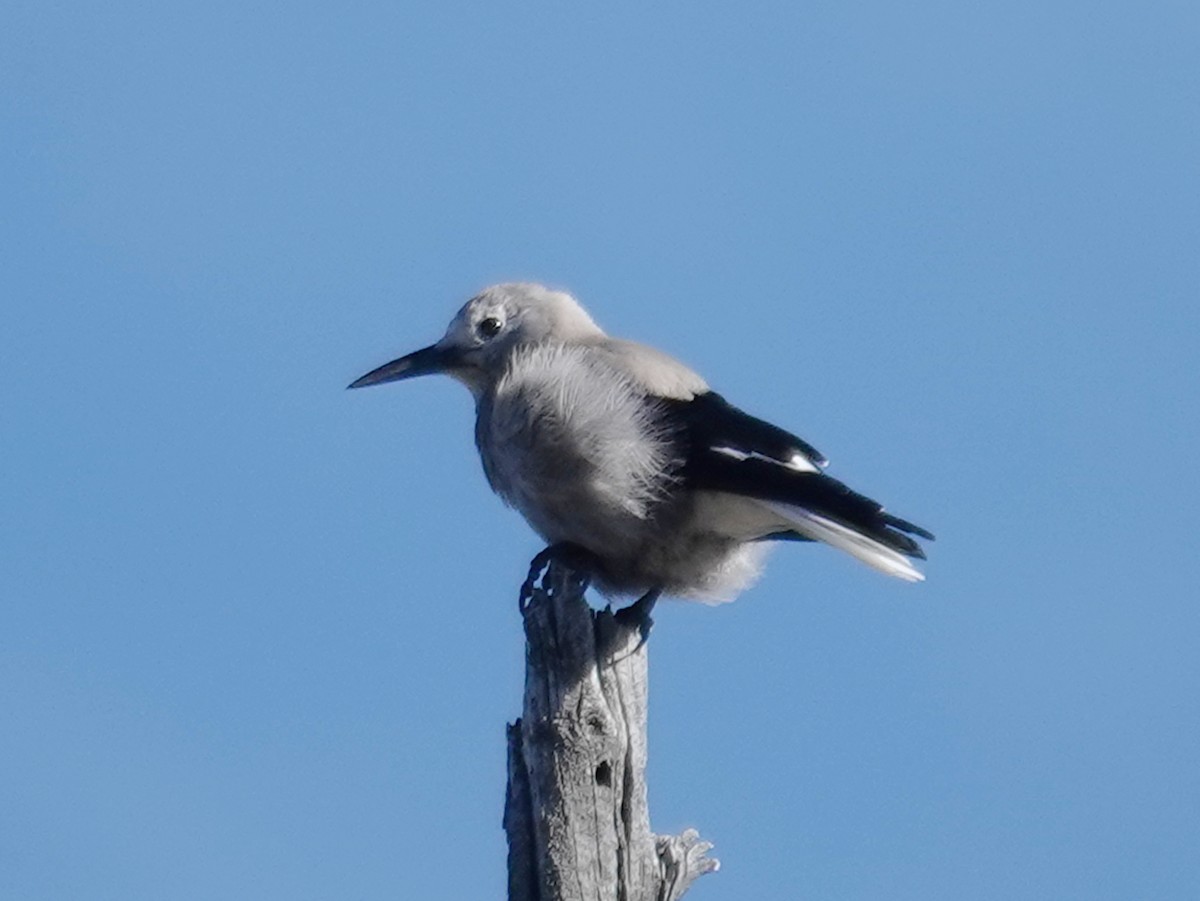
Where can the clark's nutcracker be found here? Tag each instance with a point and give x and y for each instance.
(622, 457)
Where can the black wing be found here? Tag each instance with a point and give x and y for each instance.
(726, 449)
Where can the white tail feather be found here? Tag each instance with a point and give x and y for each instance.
(871, 552)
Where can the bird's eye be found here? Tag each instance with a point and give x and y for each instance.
(490, 327)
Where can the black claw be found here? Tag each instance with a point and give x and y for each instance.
(536, 565)
(579, 561)
(637, 615)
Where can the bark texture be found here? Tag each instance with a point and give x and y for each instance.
(575, 814)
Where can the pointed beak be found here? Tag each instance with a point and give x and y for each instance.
(425, 361)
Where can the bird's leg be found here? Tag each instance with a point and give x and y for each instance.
(578, 560)
(637, 615)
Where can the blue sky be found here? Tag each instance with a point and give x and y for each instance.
(258, 635)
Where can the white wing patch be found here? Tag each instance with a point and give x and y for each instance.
(797, 461)
(804, 464)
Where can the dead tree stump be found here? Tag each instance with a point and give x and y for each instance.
(575, 812)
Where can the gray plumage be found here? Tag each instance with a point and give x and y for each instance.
(621, 450)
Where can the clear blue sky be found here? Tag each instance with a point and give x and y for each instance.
(258, 635)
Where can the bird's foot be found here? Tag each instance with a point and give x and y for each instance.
(580, 561)
(637, 615)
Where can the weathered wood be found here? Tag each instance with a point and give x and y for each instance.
(575, 814)
(518, 824)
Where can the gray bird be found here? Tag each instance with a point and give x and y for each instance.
(629, 465)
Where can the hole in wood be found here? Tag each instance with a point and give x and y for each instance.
(604, 774)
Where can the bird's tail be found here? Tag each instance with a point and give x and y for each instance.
(882, 553)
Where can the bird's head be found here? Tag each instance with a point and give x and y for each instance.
(485, 332)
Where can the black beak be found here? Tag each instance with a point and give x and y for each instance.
(425, 361)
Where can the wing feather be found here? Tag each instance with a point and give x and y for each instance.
(725, 449)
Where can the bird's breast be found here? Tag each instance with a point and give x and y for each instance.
(571, 444)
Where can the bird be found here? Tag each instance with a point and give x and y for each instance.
(630, 467)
